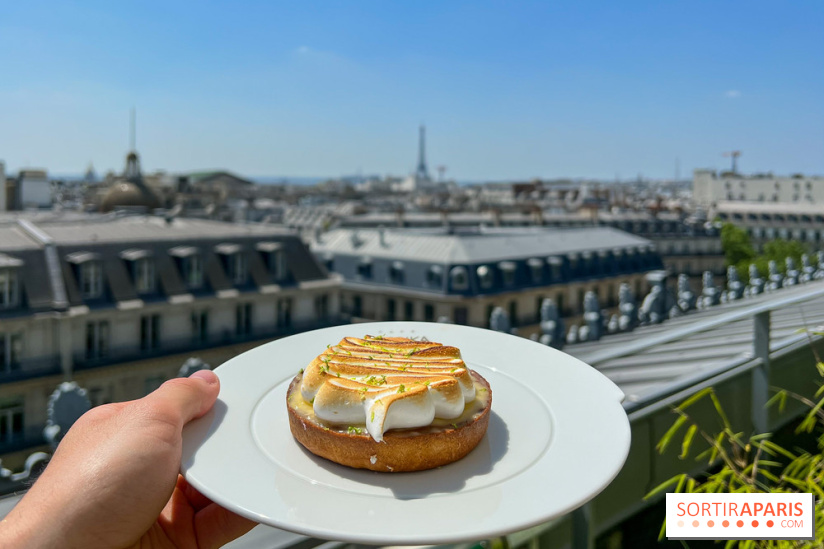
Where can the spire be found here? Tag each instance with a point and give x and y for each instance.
(422, 173)
(132, 132)
(132, 171)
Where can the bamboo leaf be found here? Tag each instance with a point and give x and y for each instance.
(663, 486)
(780, 398)
(720, 409)
(693, 399)
(719, 440)
(685, 444)
(775, 447)
(665, 440)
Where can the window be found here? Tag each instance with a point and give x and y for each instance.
(284, 313)
(275, 259)
(365, 268)
(149, 332)
(396, 272)
(485, 276)
(574, 263)
(237, 268)
(434, 276)
(277, 264)
(461, 316)
(200, 326)
(458, 278)
(555, 268)
(513, 312)
(234, 262)
(243, 319)
(11, 350)
(391, 305)
(409, 310)
(507, 272)
(190, 264)
(11, 420)
(321, 307)
(97, 339)
(9, 289)
(91, 279)
(536, 270)
(428, 312)
(193, 271)
(144, 275)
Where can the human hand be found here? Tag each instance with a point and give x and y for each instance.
(114, 482)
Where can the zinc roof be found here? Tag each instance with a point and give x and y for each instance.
(438, 246)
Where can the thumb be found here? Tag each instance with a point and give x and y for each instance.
(186, 398)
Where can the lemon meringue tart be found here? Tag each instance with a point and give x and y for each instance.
(389, 404)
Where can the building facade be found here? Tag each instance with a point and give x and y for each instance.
(709, 188)
(768, 221)
(119, 303)
(461, 275)
(34, 189)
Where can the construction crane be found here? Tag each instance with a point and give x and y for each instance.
(734, 155)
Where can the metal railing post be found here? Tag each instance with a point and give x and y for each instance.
(761, 373)
(582, 528)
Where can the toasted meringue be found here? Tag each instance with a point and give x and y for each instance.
(387, 383)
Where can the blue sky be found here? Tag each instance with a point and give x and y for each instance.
(506, 89)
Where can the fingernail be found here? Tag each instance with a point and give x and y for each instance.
(206, 375)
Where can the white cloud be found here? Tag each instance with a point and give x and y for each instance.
(304, 49)
(732, 94)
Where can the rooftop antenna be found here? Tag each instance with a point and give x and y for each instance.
(734, 155)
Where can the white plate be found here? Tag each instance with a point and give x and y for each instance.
(557, 436)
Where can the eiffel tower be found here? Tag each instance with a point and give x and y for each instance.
(422, 174)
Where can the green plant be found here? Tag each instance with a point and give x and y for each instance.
(738, 251)
(736, 244)
(751, 464)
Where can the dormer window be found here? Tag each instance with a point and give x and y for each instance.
(89, 273)
(191, 265)
(458, 278)
(234, 262)
(143, 272)
(434, 276)
(275, 259)
(9, 281)
(555, 268)
(508, 272)
(142, 268)
(536, 269)
(365, 267)
(396, 275)
(485, 277)
(574, 265)
(586, 267)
